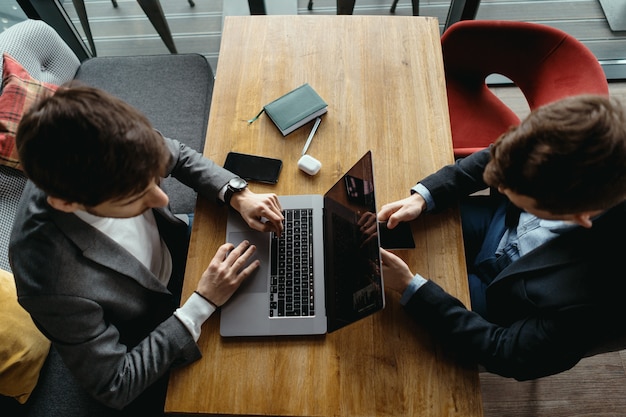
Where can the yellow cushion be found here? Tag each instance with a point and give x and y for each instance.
(23, 349)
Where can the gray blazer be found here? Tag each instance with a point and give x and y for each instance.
(107, 315)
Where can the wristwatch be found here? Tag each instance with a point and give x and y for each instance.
(235, 185)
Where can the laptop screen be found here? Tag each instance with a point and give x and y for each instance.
(354, 287)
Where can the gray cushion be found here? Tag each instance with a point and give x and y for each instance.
(12, 183)
(46, 57)
(40, 50)
(174, 91)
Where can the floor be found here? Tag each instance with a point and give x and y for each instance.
(597, 385)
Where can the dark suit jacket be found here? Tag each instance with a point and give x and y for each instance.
(545, 310)
(107, 315)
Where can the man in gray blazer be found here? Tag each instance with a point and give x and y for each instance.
(98, 257)
(545, 252)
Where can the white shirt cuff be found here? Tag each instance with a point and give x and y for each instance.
(194, 313)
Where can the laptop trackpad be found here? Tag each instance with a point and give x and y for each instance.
(258, 281)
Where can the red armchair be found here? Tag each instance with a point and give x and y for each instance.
(545, 63)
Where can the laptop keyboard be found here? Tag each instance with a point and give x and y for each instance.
(291, 277)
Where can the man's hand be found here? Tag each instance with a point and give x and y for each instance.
(262, 212)
(226, 272)
(397, 274)
(403, 210)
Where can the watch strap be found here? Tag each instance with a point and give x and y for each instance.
(231, 190)
(228, 194)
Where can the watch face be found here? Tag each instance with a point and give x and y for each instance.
(238, 183)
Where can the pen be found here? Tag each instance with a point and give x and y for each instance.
(310, 138)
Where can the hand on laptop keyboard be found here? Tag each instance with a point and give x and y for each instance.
(262, 212)
(226, 272)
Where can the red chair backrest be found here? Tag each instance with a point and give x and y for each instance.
(546, 64)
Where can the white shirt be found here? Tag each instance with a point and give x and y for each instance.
(139, 235)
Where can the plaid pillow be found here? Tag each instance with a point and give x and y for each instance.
(19, 92)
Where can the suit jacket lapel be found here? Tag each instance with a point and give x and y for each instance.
(101, 249)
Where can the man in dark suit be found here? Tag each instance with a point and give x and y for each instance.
(545, 251)
(98, 257)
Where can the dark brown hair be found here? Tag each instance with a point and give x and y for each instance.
(86, 146)
(570, 156)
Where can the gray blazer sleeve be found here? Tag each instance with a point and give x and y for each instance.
(194, 170)
(100, 363)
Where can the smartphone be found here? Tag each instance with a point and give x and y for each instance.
(400, 237)
(254, 167)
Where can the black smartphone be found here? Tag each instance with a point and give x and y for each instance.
(400, 237)
(254, 167)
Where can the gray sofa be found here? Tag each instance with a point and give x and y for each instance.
(173, 91)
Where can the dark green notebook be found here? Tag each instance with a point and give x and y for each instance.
(295, 109)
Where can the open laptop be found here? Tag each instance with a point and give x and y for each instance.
(316, 286)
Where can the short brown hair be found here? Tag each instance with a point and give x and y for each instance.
(86, 146)
(569, 156)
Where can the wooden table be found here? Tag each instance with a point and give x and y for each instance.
(382, 77)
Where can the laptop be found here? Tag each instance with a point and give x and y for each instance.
(323, 277)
